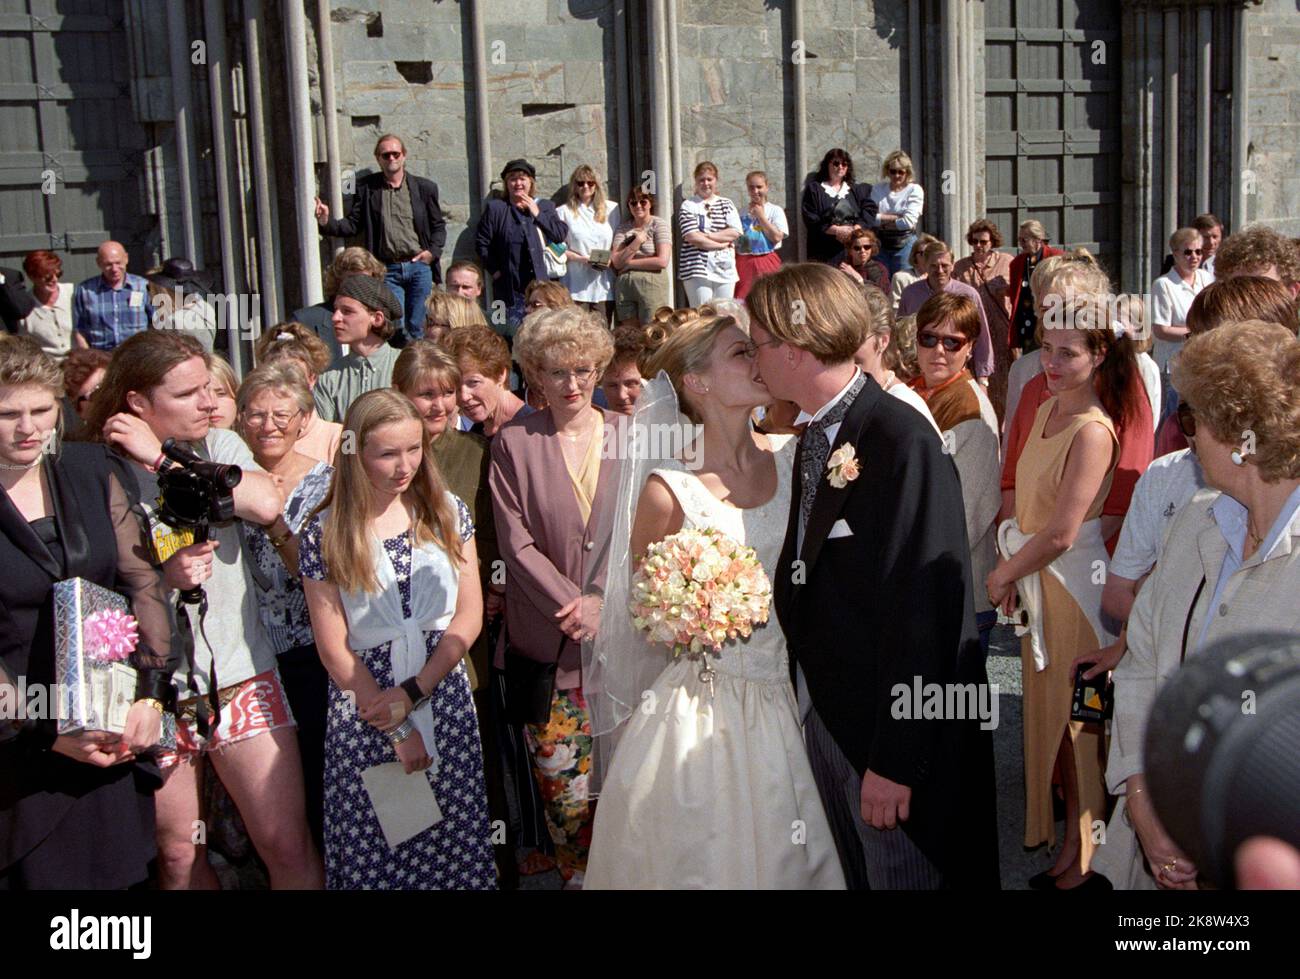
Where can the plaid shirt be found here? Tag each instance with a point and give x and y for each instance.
(106, 317)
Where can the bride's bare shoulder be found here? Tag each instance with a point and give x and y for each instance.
(658, 514)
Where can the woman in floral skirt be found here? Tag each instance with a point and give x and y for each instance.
(393, 639)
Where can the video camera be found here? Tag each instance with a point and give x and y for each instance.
(194, 492)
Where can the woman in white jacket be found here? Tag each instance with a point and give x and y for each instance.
(1230, 564)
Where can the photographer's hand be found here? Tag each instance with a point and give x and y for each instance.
(190, 566)
(133, 436)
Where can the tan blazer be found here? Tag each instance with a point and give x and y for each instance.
(1260, 597)
(550, 556)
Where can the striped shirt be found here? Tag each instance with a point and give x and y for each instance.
(106, 316)
(696, 215)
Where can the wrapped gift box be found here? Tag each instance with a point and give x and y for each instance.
(94, 692)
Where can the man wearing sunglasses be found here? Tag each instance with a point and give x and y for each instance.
(1171, 297)
(400, 222)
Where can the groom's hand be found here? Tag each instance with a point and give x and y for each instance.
(884, 803)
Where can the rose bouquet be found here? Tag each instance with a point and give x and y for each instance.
(697, 589)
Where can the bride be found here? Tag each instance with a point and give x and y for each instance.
(710, 786)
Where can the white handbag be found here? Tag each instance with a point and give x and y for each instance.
(553, 255)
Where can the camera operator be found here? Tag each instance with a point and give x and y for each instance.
(158, 387)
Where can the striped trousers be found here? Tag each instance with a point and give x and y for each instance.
(873, 859)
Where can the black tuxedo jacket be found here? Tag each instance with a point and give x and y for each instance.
(365, 217)
(887, 605)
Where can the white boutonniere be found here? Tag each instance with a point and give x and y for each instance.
(842, 467)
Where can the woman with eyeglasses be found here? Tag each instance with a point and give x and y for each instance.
(858, 262)
(899, 201)
(591, 220)
(709, 224)
(947, 327)
(832, 205)
(643, 247)
(274, 402)
(550, 484)
(1171, 298)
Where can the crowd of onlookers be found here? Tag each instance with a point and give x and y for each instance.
(406, 430)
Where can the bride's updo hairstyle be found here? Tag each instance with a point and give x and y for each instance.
(686, 350)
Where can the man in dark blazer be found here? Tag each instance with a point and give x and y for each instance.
(16, 300)
(400, 223)
(873, 593)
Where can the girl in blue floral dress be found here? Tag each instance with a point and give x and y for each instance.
(394, 610)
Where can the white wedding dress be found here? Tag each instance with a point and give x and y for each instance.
(715, 790)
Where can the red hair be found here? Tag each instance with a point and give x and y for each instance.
(40, 263)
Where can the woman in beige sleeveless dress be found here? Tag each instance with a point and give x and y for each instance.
(1052, 565)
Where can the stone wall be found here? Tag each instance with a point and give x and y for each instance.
(406, 68)
(737, 105)
(1273, 114)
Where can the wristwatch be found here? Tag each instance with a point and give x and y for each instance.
(413, 691)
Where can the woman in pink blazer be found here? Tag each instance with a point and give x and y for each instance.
(552, 488)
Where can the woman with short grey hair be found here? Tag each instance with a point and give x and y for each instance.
(274, 403)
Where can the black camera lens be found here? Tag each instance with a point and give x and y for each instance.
(1222, 758)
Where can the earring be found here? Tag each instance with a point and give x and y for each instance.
(1237, 458)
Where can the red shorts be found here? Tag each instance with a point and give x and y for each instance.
(254, 707)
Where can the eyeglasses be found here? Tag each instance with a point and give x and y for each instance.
(898, 173)
(437, 324)
(932, 340)
(390, 155)
(584, 183)
(1189, 252)
(840, 163)
(280, 419)
(1186, 420)
(751, 348)
(980, 241)
(583, 375)
(643, 202)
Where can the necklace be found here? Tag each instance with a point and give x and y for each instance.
(1256, 540)
(26, 467)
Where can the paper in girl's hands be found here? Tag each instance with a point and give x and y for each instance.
(404, 804)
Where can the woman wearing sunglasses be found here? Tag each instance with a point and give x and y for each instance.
(947, 327)
(1171, 298)
(899, 201)
(643, 245)
(591, 220)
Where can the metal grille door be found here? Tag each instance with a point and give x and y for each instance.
(1053, 70)
(72, 149)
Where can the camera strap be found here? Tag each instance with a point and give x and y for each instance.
(207, 712)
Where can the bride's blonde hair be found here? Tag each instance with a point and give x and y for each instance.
(687, 351)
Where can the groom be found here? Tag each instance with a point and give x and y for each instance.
(873, 590)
